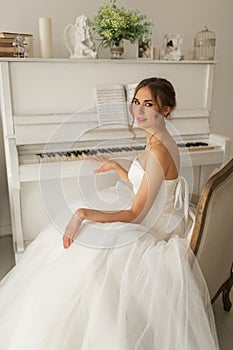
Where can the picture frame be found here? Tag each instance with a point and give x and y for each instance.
(145, 49)
(172, 47)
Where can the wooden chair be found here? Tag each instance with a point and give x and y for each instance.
(212, 236)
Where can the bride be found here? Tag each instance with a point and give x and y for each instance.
(120, 279)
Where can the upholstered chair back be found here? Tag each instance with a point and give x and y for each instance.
(212, 237)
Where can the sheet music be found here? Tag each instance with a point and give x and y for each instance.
(130, 88)
(111, 104)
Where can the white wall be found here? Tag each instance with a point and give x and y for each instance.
(170, 16)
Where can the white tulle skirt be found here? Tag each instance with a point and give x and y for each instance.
(145, 295)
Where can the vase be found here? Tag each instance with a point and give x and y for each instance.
(117, 49)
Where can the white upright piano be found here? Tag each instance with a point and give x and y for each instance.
(49, 115)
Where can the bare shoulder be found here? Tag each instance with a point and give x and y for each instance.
(167, 155)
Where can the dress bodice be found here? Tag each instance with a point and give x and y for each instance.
(135, 175)
(168, 214)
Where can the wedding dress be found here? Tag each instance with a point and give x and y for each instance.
(120, 286)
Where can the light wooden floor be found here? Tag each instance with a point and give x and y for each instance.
(224, 320)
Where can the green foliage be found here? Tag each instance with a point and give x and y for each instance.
(114, 23)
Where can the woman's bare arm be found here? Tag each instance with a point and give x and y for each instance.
(151, 182)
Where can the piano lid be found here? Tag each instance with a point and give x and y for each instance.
(39, 129)
(46, 94)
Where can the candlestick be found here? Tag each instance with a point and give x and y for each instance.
(45, 37)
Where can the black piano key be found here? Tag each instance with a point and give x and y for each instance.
(192, 144)
(40, 155)
(112, 149)
(91, 153)
(138, 148)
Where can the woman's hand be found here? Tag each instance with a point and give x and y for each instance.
(72, 228)
(104, 163)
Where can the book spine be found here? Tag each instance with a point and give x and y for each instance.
(6, 49)
(13, 35)
(7, 54)
(3, 44)
(6, 41)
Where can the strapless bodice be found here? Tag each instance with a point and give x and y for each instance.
(136, 173)
(168, 214)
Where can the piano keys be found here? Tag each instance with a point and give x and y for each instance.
(60, 156)
(195, 146)
(111, 152)
(81, 154)
(34, 156)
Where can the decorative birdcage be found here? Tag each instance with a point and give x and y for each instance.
(204, 45)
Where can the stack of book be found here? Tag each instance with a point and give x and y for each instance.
(6, 43)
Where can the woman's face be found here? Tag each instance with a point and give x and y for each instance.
(145, 110)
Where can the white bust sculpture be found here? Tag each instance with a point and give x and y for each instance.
(78, 39)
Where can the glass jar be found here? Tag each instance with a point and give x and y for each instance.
(20, 46)
(204, 45)
(117, 49)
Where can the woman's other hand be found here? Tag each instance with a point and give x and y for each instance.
(104, 163)
(72, 228)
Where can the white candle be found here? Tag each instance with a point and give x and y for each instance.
(45, 37)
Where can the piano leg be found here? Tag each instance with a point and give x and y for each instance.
(16, 219)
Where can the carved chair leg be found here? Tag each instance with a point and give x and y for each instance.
(226, 294)
(225, 289)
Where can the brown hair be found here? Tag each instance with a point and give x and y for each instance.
(162, 91)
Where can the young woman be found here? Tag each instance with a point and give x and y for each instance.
(122, 279)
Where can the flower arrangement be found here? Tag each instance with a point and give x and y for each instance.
(114, 24)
